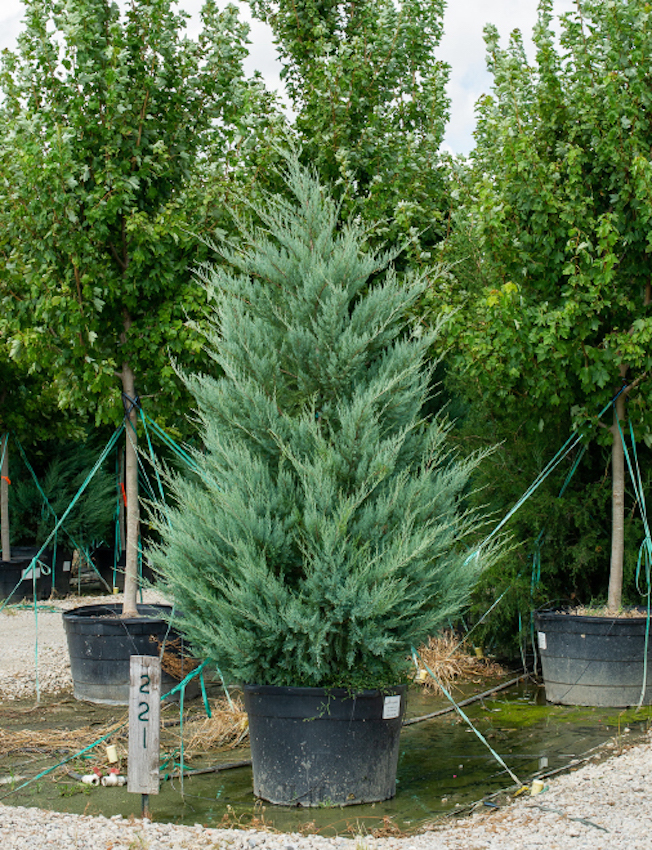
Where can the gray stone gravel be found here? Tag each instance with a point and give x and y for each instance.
(604, 805)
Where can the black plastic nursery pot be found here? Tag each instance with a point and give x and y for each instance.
(60, 586)
(101, 642)
(112, 570)
(597, 661)
(18, 581)
(324, 746)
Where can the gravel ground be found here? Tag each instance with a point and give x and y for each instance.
(602, 806)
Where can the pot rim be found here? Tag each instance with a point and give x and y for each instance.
(567, 613)
(111, 611)
(343, 693)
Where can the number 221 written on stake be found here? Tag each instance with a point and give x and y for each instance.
(144, 724)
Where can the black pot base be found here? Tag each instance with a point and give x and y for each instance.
(316, 746)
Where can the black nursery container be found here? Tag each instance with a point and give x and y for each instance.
(589, 660)
(101, 642)
(317, 746)
(17, 580)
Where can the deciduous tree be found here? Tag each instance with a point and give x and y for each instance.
(106, 121)
(371, 106)
(556, 315)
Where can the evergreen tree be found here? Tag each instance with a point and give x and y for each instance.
(323, 532)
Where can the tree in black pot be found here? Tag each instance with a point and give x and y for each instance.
(323, 534)
(41, 498)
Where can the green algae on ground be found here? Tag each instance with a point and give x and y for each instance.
(443, 767)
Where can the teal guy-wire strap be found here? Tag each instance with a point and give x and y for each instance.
(181, 686)
(152, 455)
(181, 689)
(568, 446)
(98, 463)
(461, 713)
(46, 504)
(573, 441)
(5, 443)
(65, 761)
(645, 551)
(536, 555)
(113, 440)
(174, 446)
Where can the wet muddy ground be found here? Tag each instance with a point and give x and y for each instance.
(443, 766)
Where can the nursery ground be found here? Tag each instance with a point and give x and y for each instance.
(443, 770)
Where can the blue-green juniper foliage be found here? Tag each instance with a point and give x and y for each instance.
(324, 534)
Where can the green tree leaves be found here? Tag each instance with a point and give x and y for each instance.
(371, 107)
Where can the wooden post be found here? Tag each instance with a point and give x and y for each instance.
(144, 727)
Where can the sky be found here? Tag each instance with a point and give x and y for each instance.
(462, 47)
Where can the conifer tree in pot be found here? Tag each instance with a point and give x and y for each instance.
(322, 535)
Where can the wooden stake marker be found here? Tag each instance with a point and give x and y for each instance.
(144, 726)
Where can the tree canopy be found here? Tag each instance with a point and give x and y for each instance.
(106, 123)
(371, 107)
(557, 315)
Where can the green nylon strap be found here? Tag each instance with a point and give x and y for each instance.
(181, 686)
(645, 551)
(79, 493)
(464, 717)
(175, 447)
(572, 442)
(66, 760)
(152, 455)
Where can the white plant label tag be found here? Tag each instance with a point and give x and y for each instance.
(392, 707)
(66, 566)
(542, 640)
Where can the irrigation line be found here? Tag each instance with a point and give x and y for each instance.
(468, 701)
(204, 770)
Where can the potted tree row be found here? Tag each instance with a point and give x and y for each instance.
(95, 289)
(553, 304)
(323, 533)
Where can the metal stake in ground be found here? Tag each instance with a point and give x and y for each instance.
(144, 727)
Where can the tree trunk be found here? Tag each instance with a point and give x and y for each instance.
(122, 521)
(4, 499)
(129, 608)
(614, 599)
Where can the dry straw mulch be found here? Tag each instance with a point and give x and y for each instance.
(53, 741)
(227, 728)
(453, 664)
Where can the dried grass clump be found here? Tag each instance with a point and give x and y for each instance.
(176, 661)
(51, 740)
(605, 611)
(227, 728)
(453, 664)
